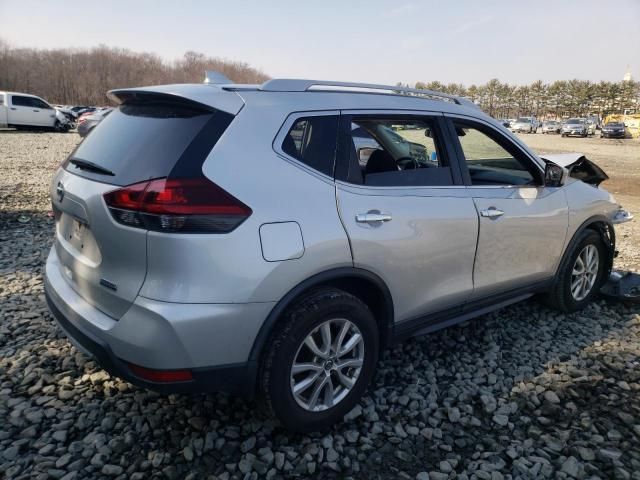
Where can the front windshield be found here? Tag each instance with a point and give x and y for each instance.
(613, 124)
(524, 120)
(574, 120)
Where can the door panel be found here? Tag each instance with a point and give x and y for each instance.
(523, 224)
(522, 245)
(424, 252)
(20, 114)
(45, 115)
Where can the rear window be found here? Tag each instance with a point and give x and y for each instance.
(20, 101)
(141, 141)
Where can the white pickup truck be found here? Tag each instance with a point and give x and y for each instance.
(24, 111)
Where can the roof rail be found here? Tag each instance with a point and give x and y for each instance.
(295, 85)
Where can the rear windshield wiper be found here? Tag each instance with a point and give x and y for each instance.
(90, 166)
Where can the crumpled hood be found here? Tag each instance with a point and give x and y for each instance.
(579, 167)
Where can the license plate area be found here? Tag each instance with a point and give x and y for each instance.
(76, 238)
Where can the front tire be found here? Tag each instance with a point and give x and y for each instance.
(581, 273)
(321, 360)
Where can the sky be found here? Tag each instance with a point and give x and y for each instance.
(375, 41)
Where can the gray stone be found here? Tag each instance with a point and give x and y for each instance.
(187, 452)
(586, 454)
(332, 455)
(248, 444)
(445, 467)
(571, 466)
(454, 414)
(501, 420)
(63, 460)
(551, 397)
(111, 470)
(10, 453)
(279, 458)
(353, 414)
(59, 435)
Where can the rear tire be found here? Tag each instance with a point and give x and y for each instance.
(312, 338)
(569, 293)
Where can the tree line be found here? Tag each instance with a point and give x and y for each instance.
(559, 99)
(83, 76)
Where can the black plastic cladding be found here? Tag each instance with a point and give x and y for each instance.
(189, 165)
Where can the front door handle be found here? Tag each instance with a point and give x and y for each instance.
(373, 217)
(491, 212)
(13, 108)
(36, 110)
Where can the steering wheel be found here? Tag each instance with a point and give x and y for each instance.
(407, 163)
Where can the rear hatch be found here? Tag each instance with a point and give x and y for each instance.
(150, 136)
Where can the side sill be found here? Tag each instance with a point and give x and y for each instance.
(452, 316)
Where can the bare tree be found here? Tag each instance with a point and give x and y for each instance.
(83, 76)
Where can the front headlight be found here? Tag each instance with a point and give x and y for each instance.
(621, 216)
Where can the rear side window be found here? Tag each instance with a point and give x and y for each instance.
(396, 151)
(312, 140)
(20, 101)
(142, 141)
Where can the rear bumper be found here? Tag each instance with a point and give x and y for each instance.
(237, 378)
(212, 341)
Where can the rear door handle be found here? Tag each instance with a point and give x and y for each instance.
(36, 110)
(13, 108)
(491, 212)
(373, 217)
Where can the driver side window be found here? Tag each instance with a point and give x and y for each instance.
(396, 152)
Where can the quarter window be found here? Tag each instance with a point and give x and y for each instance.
(312, 140)
(493, 162)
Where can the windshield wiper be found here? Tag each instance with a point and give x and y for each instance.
(90, 166)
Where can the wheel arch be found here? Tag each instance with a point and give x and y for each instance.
(365, 285)
(603, 226)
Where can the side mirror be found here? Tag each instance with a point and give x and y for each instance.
(554, 175)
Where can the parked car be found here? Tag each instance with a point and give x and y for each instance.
(88, 121)
(574, 127)
(591, 126)
(534, 123)
(613, 130)
(263, 258)
(76, 111)
(551, 126)
(24, 111)
(524, 125)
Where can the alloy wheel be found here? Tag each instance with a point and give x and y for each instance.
(327, 365)
(585, 272)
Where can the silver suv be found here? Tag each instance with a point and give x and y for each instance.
(272, 239)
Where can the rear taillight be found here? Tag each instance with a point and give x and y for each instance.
(193, 205)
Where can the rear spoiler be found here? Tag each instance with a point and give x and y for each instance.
(208, 97)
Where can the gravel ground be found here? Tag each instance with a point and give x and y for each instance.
(521, 393)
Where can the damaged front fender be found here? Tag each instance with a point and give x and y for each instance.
(579, 167)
